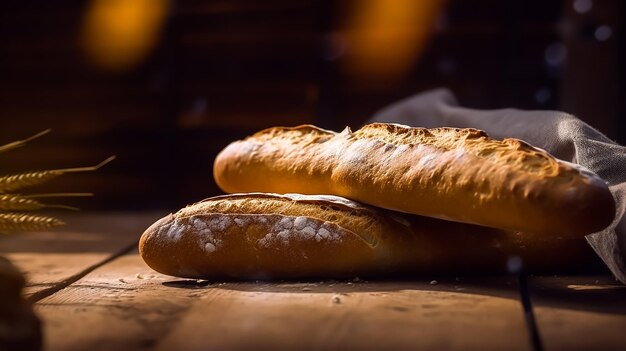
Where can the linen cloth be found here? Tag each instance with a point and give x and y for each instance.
(563, 135)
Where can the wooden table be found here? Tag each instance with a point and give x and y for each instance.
(93, 292)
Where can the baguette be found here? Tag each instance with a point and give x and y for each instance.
(271, 236)
(268, 235)
(448, 173)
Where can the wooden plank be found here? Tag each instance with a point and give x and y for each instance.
(125, 305)
(50, 258)
(451, 315)
(579, 312)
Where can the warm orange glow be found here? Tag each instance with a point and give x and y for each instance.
(385, 37)
(119, 34)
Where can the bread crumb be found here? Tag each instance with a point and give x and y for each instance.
(336, 300)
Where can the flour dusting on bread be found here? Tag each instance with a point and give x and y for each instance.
(301, 228)
(173, 231)
(297, 235)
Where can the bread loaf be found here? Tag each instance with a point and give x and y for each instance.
(448, 173)
(265, 235)
(270, 236)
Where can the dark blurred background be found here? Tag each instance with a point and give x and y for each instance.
(166, 84)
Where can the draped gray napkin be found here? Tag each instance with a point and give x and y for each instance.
(563, 135)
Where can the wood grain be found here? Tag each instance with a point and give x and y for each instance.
(125, 305)
(359, 316)
(122, 305)
(50, 258)
(579, 312)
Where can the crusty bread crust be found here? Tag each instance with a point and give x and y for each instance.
(270, 236)
(448, 173)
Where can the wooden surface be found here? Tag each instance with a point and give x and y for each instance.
(52, 258)
(93, 292)
(580, 313)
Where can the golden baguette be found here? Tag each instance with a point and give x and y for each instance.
(448, 173)
(270, 236)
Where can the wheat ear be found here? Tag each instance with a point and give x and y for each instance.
(15, 202)
(29, 196)
(23, 142)
(12, 202)
(23, 180)
(26, 222)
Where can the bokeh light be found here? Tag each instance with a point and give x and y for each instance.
(119, 34)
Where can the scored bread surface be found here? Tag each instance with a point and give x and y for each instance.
(268, 235)
(448, 173)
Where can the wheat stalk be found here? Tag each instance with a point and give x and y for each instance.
(13, 202)
(26, 222)
(22, 180)
(12, 221)
(56, 195)
(23, 142)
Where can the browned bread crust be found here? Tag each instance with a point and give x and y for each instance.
(270, 236)
(449, 173)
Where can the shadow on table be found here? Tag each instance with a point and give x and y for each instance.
(601, 294)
